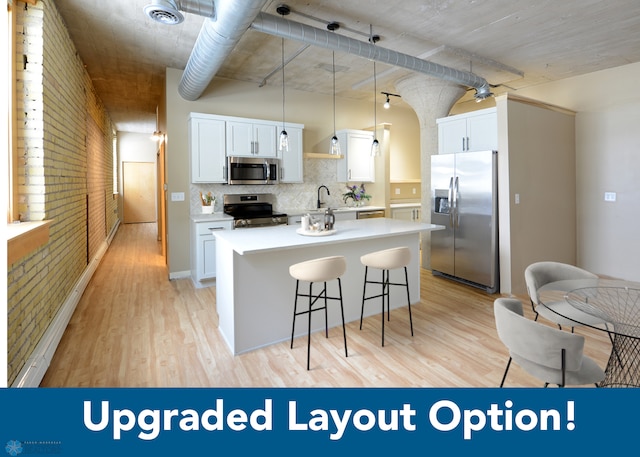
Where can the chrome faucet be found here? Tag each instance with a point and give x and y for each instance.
(328, 193)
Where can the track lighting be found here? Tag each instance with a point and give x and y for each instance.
(388, 94)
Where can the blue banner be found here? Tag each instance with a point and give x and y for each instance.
(314, 422)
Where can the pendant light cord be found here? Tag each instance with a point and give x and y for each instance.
(333, 62)
(283, 129)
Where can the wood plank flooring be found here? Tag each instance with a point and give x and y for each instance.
(135, 328)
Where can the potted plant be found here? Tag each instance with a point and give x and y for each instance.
(208, 202)
(355, 195)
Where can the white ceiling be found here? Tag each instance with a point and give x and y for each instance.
(512, 43)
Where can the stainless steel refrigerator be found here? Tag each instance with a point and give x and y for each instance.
(464, 198)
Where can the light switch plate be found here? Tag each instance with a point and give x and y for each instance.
(609, 196)
(177, 196)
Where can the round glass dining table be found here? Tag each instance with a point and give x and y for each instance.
(616, 303)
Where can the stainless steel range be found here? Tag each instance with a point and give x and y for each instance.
(252, 210)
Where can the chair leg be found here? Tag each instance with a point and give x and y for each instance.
(504, 376)
(406, 280)
(295, 311)
(344, 329)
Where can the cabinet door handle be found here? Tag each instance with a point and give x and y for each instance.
(463, 144)
(257, 147)
(216, 228)
(349, 175)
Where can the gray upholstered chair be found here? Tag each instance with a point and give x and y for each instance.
(549, 354)
(538, 274)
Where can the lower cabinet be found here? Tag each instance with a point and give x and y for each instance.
(407, 213)
(203, 248)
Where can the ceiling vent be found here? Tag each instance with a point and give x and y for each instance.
(164, 12)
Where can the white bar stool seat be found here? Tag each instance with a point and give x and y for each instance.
(386, 260)
(318, 270)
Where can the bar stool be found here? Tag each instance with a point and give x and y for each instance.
(385, 260)
(318, 270)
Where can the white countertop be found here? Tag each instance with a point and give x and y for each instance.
(214, 217)
(256, 240)
(405, 205)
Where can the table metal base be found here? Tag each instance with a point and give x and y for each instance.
(623, 368)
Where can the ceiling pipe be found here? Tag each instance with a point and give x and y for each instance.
(218, 36)
(284, 28)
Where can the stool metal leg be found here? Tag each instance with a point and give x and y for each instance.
(344, 329)
(326, 318)
(309, 326)
(364, 290)
(406, 280)
(383, 283)
(295, 312)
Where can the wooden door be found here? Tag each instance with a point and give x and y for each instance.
(139, 192)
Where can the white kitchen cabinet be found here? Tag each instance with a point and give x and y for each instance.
(207, 149)
(357, 165)
(475, 131)
(251, 139)
(407, 212)
(203, 248)
(291, 161)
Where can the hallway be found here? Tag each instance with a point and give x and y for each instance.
(135, 328)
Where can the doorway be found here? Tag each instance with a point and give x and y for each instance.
(139, 192)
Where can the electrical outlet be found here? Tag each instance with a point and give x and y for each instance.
(517, 198)
(414, 191)
(397, 191)
(177, 196)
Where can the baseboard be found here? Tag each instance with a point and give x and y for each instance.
(180, 275)
(37, 364)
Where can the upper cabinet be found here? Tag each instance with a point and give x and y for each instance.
(251, 139)
(357, 163)
(212, 138)
(474, 131)
(291, 161)
(207, 149)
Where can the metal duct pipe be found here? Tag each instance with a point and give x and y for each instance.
(284, 28)
(205, 8)
(215, 42)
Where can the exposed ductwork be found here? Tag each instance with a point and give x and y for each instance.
(168, 11)
(227, 21)
(284, 28)
(217, 39)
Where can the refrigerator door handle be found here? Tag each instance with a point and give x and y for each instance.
(450, 201)
(455, 202)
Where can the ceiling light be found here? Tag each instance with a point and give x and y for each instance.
(388, 94)
(334, 147)
(283, 142)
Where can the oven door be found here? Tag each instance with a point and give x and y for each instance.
(252, 170)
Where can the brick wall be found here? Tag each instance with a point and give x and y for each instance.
(65, 151)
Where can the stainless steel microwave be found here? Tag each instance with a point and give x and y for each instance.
(252, 170)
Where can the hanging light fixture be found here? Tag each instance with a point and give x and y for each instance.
(283, 141)
(375, 146)
(335, 145)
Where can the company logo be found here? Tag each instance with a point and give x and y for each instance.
(13, 448)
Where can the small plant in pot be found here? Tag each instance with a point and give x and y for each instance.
(208, 202)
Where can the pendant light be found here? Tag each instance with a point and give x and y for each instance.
(375, 146)
(283, 142)
(335, 145)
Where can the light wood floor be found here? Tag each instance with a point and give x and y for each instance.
(135, 328)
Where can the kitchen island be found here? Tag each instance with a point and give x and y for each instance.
(255, 293)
